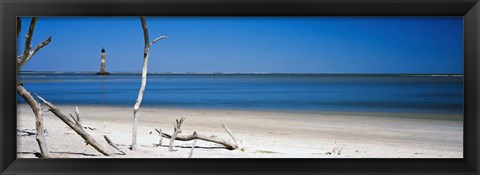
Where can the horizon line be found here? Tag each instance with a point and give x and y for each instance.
(231, 73)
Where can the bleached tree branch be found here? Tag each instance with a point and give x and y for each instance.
(113, 145)
(230, 133)
(34, 51)
(37, 110)
(29, 36)
(193, 147)
(28, 52)
(158, 39)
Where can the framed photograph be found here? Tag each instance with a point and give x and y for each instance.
(240, 87)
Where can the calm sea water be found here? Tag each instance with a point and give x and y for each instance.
(325, 92)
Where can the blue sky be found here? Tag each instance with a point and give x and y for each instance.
(252, 44)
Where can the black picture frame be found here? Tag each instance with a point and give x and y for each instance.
(469, 9)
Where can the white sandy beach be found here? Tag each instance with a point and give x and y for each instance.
(264, 134)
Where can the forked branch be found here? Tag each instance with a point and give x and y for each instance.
(27, 52)
(176, 130)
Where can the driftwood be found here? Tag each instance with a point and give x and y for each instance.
(26, 132)
(144, 79)
(239, 143)
(78, 120)
(113, 145)
(161, 138)
(230, 133)
(176, 131)
(78, 129)
(195, 135)
(36, 108)
(77, 113)
(193, 147)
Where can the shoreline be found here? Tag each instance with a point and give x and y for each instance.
(434, 116)
(266, 134)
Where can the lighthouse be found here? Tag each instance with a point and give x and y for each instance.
(102, 64)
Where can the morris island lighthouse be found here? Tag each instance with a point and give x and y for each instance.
(102, 64)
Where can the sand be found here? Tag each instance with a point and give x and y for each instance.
(264, 134)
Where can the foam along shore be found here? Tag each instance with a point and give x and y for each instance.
(264, 134)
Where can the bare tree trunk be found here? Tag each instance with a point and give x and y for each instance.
(21, 60)
(195, 135)
(144, 82)
(37, 110)
(78, 129)
(144, 79)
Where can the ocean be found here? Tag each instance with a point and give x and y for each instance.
(419, 94)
